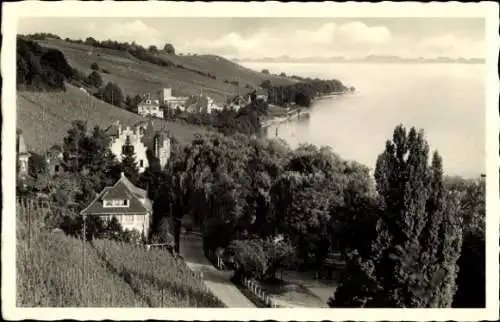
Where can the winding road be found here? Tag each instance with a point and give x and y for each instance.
(218, 282)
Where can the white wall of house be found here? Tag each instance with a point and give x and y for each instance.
(135, 140)
(141, 222)
(23, 164)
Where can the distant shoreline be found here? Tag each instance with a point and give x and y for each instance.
(361, 61)
(296, 111)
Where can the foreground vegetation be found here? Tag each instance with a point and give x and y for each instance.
(161, 278)
(406, 237)
(56, 270)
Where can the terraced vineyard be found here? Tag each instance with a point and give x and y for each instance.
(161, 279)
(45, 117)
(55, 270)
(135, 76)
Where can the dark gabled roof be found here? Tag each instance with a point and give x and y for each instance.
(122, 189)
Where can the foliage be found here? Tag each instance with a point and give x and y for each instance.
(129, 163)
(95, 79)
(94, 66)
(471, 280)
(301, 93)
(40, 68)
(169, 49)
(112, 94)
(260, 258)
(250, 258)
(413, 257)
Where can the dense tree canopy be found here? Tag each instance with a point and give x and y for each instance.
(413, 257)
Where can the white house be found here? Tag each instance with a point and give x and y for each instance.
(124, 201)
(212, 105)
(22, 155)
(142, 137)
(149, 107)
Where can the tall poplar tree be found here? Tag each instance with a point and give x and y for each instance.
(129, 163)
(413, 258)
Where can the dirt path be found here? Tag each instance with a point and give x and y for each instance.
(217, 281)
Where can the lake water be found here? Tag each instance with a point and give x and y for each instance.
(447, 101)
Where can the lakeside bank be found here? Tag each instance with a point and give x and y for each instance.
(281, 114)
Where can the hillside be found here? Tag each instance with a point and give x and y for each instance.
(186, 76)
(45, 117)
(55, 270)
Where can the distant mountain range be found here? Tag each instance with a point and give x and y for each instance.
(367, 59)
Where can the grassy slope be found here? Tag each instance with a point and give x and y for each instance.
(137, 77)
(42, 130)
(52, 271)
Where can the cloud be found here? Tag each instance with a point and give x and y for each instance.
(351, 39)
(327, 39)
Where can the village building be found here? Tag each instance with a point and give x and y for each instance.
(201, 104)
(149, 107)
(54, 159)
(22, 157)
(173, 102)
(260, 94)
(129, 204)
(143, 138)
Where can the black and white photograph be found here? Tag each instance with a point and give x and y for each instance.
(248, 156)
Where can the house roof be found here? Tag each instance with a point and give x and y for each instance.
(122, 189)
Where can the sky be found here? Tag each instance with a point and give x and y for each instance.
(274, 37)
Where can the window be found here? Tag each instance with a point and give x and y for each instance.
(56, 168)
(125, 203)
(108, 203)
(148, 102)
(141, 163)
(128, 218)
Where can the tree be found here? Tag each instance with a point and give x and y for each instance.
(266, 84)
(129, 163)
(153, 49)
(95, 79)
(94, 66)
(169, 49)
(249, 257)
(112, 94)
(265, 71)
(412, 261)
(74, 147)
(90, 41)
(471, 279)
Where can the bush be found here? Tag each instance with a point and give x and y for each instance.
(94, 66)
(95, 79)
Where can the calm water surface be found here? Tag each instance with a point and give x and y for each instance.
(446, 100)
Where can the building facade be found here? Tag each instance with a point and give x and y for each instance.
(143, 138)
(173, 102)
(23, 155)
(124, 201)
(149, 107)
